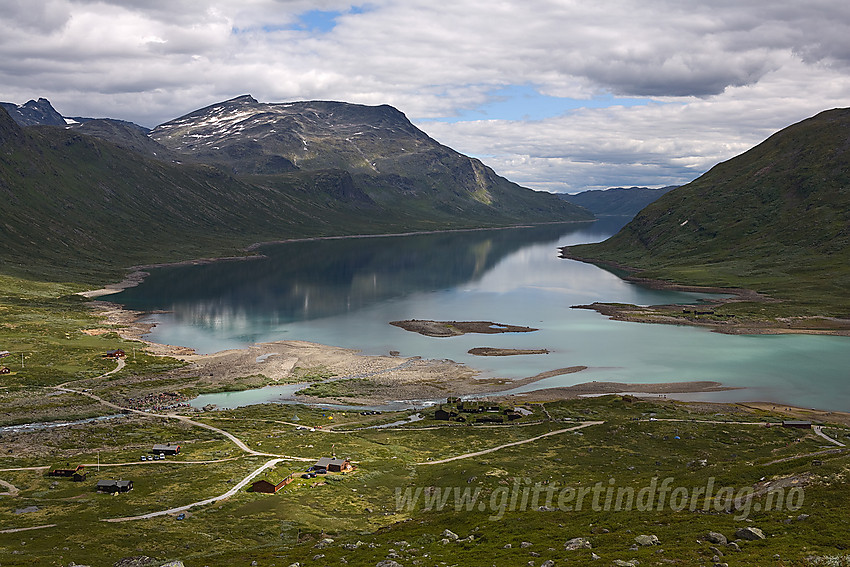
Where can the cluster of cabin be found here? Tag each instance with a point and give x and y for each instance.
(324, 465)
(456, 409)
(76, 474)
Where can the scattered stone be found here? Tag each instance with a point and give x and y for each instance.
(594, 556)
(137, 561)
(319, 556)
(507, 546)
(647, 540)
(254, 564)
(388, 563)
(525, 544)
(733, 546)
(716, 551)
(175, 563)
(802, 517)
(448, 534)
(534, 554)
(630, 563)
(468, 538)
(716, 537)
(721, 565)
(26, 510)
(749, 534)
(577, 543)
(548, 563)
(445, 541)
(324, 543)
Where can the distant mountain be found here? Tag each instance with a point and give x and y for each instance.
(387, 157)
(776, 218)
(34, 113)
(618, 201)
(84, 201)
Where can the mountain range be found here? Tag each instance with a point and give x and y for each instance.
(84, 198)
(617, 201)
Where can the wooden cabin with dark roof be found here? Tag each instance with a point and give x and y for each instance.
(268, 487)
(114, 486)
(331, 464)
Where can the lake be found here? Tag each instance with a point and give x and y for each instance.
(344, 292)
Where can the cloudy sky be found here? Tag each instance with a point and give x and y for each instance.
(557, 95)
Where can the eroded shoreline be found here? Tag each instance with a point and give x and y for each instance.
(686, 315)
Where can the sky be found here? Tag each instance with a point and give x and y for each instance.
(557, 95)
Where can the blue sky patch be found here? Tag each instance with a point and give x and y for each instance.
(523, 102)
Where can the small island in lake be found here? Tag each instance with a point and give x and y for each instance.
(457, 328)
(493, 351)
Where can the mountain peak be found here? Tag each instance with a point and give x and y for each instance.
(246, 98)
(34, 113)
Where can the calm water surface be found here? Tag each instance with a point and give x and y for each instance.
(344, 292)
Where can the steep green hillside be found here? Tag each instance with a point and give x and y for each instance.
(775, 219)
(79, 208)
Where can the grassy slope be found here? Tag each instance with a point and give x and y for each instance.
(775, 219)
(283, 528)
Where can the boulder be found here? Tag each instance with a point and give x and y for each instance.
(448, 534)
(647, 540)
(630, 563)
(749, 534)
(388, 563)
(577, 543)
(716, 537)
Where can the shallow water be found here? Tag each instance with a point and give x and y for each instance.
(344, 292)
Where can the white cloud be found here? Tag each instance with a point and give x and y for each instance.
(724, 73)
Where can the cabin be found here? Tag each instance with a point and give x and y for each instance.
(517, 412)
(166, 449)
(268, 487)
(797, 424)
(490, 419)
(114, 486)
(333, 465)
(445, 415)
(117, 353)
(67, 473)
(4, 370)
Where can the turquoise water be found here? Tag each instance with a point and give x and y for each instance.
(344, 292)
